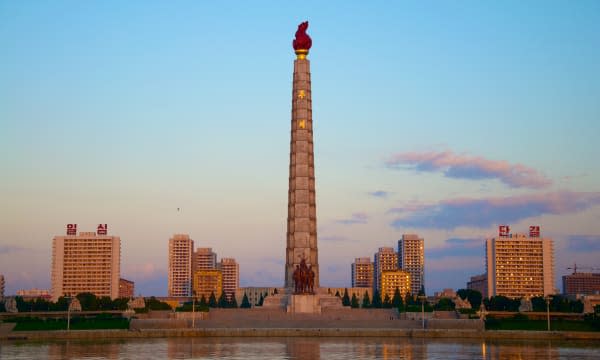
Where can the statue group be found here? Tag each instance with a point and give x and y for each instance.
(304, 279)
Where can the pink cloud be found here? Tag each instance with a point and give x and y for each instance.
(470, 167)
(356, 218)
(482, 213)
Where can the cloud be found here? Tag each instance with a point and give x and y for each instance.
(461, 166)
(438, 279)
(11, 249)
(483, 213)
(456, 247)
(380, 194)
(356, 218)
(143, 271)
(332, 238)
(583, 243)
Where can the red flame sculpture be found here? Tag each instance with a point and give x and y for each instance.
(302, 40)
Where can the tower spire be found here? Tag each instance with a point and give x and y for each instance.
(302, 217)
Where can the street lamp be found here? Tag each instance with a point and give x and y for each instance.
(194, 310)
(422, 298)
(68, 298)
(548, 299)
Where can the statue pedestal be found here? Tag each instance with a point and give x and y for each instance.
(277, 301)
(304, 304)
(313, 303)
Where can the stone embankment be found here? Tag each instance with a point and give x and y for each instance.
(297, 332)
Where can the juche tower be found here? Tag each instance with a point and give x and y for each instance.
(302, 213)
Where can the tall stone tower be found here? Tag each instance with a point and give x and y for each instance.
(302, 216)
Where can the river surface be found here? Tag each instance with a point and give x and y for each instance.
(299, 348)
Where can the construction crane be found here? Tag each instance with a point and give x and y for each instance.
(574, 268)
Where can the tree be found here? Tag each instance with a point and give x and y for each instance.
(155, 304)
(409, 299)
(203, 301)
(88, 301)
(346, 298)
(376, 300)
(473, 296)
(502, 303)
(366, 303)
(445, 304)
(275, 292)
(387, 302)
(40, 304)
(104, 303)
(576, 306)
(223, 303)
(60, 305)
(261, 300)
(212, 300)
(354, 302)
(120, 304)
(397, 299)
(22, 305)
(233, 302)
(538, 304)
(245, 302)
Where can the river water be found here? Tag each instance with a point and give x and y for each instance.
(299, 348)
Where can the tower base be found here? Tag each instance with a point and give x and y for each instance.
(303, 303)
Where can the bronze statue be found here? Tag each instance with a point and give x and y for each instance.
(304, 279)
(297, 281)
(311, 280)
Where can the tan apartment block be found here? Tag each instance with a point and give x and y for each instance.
(411, 258)
(362, 273)
(181, 248)
(85, 263)
(231, 276)
(392, 280)
(386, 259)
(479, 283)
(126, 288)
(520, 266)
(207, 282)
(204, 259)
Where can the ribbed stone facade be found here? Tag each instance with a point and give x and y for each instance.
(302, 217)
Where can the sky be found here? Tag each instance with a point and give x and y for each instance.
(441, 118)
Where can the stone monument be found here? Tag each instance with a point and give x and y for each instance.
(302, 216)
(303, 294)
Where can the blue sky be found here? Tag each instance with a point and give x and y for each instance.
(438, 118)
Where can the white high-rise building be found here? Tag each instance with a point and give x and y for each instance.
(181, 249)
(88, 262)
(520, 266)
(411, 258)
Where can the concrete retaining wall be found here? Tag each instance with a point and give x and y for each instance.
(138, 324)
(463, 334)
(464, 324)
(325, 316)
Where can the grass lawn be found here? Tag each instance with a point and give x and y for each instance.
(538, 325)
(36, 324)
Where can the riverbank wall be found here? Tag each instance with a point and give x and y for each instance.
(299, 332)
